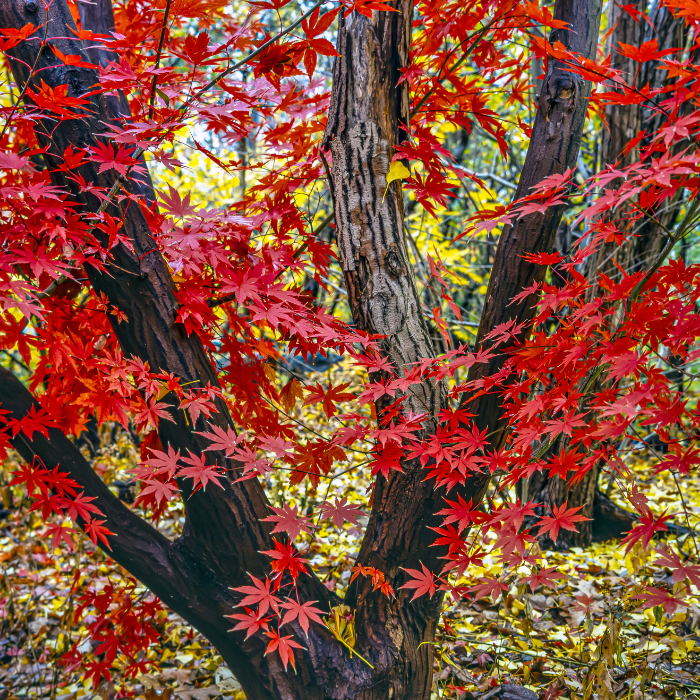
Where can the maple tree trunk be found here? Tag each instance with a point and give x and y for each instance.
(608, 520)
(223, 535)
(367, 110)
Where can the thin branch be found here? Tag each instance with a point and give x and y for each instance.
(252, 55)
(158, 55)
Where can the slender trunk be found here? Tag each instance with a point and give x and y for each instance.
(624, 123)
(367, 110)
(554, 147)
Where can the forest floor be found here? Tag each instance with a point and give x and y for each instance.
(584, 636)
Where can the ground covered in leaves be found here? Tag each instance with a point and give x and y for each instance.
(583, 635)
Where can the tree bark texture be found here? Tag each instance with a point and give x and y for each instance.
(364, 126)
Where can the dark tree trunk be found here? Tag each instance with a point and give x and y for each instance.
(223, 534)
(637, 253)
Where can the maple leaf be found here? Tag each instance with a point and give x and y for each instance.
(32, 478)
(278, 445)
(304, 612)
(458, 512)
(251, 621)
(648, 526)
(200, 473)
(164, 463)
(61, 533)
(562, 517)
(81, 506)
(259, 594)
(449, 536)
(288, 520)
(565, 424)
(159, 490)
(196, 405)
(514, 513)
(152, 412)
(341, 511)
(542, 259)
(33, 421)
(680, 569)
(71, 59)
(56, 99)
(96, 530)
(292, 391)
(679, 458)
(329, 397)
(284, 645)
(227, 440)
(423, 582)
(379, 581)
(110, 157)
(654, 597)
(625, 364)
(488, 585)
(509, 540)
(648, 51)
(286, 558)
(544, 577)
(387, 459)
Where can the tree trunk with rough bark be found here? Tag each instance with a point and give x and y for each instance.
(224, 533)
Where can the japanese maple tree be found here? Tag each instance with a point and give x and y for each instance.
(127, 304)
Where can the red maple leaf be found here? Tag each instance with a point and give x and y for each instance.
(110, 157)
(488, 585)
(226, 441)
(259, 594)
(251, 621)
(285, 646)
(648, 526)
(654, 597)
(514, 513)
(33, 421)
(200, 473)
(459, 512)
(329, 397)
(561, 518)
(286, 558)
(341, 511)
(164, 463)
(159, 490)
(423, 582)
(304, 612)
(648, 51)
(681, 570)
(544, 577)
(96, 530)
(288, 520)
(387, 459)
(449, 536)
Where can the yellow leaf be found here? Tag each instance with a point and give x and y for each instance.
(397, 171)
